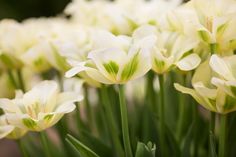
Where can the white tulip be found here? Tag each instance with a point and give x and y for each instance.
(10, 131)
(39, 108)
(214, 84)
(116, 59)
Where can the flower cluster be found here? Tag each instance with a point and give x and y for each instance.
(108, 44)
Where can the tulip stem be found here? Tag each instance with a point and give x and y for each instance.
(162, 116)
(212, 135)
(44, 142)
(88, 108)
(12, 79)
(111, 123)
(22, 148)
(124, 122)
(20, 79)
(182, 104)
(223, 136)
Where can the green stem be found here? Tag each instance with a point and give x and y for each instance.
(88, 108)
(111, 123)
(181, 120)
(80, 125)
(150, 91)
(212, 135)
(223, 136)
(162, 116)
(196, 121)
(44, 142)
(22, 148)
(12, 79)
(20, 80)
(124, 122)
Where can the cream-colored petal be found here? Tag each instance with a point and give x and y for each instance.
(76, 70)
(5, 130)
(189, 63)
(204, 91)
(203, 74)
(201, 100)
(220, 67)
(9, 106)
(98, 76)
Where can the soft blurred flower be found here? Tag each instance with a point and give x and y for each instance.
(172, 49)
(212, 21)
(121, 16)
(116, 59)
(39, 108)
(7, 88)
(214, 84)
(11, 43)
(74, 44)
(10, 131)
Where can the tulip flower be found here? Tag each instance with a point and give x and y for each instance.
(212, 22)
(39, 108)
(10, 131)
(214, 85)
(116, 59)
(172, 49)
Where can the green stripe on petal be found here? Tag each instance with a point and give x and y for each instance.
(159, 64)
(204, 36)
(130, 68)
(48, 117)
(29, 123)
(111, 67)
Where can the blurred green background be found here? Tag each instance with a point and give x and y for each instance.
(22, 9)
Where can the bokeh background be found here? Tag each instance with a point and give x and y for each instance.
(20, 10)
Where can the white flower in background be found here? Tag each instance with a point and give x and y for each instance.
(39, 108)
(102, 14)
(10, 131)
(214, 84)
(42, 55)
(116, 59)
(7, 89)
(11, 44)
(73, 84)
(172, 49)
(147, 12)
(74, 44)
(212, 21)
(121, 16)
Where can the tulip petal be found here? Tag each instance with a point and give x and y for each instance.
(220, 67)
(201, 100)
(189, 63)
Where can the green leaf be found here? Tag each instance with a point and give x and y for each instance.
(83, 150)
(145, 150)
(96, 144)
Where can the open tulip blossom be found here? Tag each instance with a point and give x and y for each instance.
(121, 78)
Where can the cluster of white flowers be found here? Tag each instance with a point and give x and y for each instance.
(107, 42)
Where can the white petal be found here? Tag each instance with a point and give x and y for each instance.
(75, 70)
(204, 91)
(96, 75)
(201, 100)
(5, 130)
(220, 67)
(189, 63)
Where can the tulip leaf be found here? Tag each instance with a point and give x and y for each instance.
(96, 144)
(83, 150)
(145, 150)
